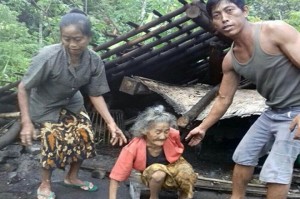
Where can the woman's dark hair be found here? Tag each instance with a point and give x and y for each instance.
(78, 18)
(212, 3)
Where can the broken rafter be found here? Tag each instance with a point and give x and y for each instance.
(9, 86)
(172, 54)
(137, 26)
(140, 29)
(10, 97)
(183, 2)
(144, 37)
(197, 12)
(192, 114)
(145, 48)
(183, 66)
(153, 53)
(160, 15)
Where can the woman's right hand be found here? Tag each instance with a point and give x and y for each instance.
(117, 136)
(27, 133)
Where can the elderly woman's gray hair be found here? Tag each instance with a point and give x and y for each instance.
(151, 116)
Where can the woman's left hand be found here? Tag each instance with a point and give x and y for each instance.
(296, 123)
(117, 136)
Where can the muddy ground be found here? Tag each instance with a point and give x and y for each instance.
(19, 173)
(20, 169)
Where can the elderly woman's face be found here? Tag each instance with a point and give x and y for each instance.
(158, 133)
(73, 40)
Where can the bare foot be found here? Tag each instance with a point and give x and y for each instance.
(73, 181)
(44, 192)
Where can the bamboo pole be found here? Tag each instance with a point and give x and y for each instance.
(9, 86)
(140, 29)
(10, 115)
(144, 37)
(189, 116)
(147, 47)
(169, 48)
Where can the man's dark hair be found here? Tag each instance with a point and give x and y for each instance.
(78, 18)
(212, 3)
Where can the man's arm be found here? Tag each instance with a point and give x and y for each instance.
(286, 38)
(224, 99)
(116, 133)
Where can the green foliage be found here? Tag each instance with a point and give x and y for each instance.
(16, 45)
(294, 19)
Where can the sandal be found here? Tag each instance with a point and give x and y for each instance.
(86, 186)
(41, 195)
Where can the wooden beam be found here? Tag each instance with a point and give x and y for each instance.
(208, 184)
(10, 115)
(140, 29)
(147, 47)
(197, 12)
(142, 38)
(132, 86)
(9, 86)
(174, 54)
(10, 97)
(171, 48)
(192, 114)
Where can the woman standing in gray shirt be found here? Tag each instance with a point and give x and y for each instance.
(49, 96)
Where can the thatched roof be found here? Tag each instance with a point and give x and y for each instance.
(182, 98)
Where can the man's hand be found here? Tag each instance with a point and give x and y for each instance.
(195, 136)
(296, 123)
(116, 135)
(27, 133)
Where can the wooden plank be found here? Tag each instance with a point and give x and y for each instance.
(133, 87)
(206, 183)
(188, 117)
(10, 115)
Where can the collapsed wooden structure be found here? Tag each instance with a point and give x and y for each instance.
(179, 47)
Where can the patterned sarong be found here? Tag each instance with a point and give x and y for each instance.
(69, 140)
(180, 176)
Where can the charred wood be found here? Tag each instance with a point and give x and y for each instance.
(9, 86)
(192, 114)
(147, 47)
(8, 98)
(160, 15)
(174, 53)
(159, 52)
(136, 41)
(147, 26)
(11, 134)
(131, 86)
(197, 12)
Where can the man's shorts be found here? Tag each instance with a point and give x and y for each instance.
(271, 134)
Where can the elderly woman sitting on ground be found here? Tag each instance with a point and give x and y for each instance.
(155, 151)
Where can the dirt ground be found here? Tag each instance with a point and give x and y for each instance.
(20, 172)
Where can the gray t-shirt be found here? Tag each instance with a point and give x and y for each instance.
(54, 84)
